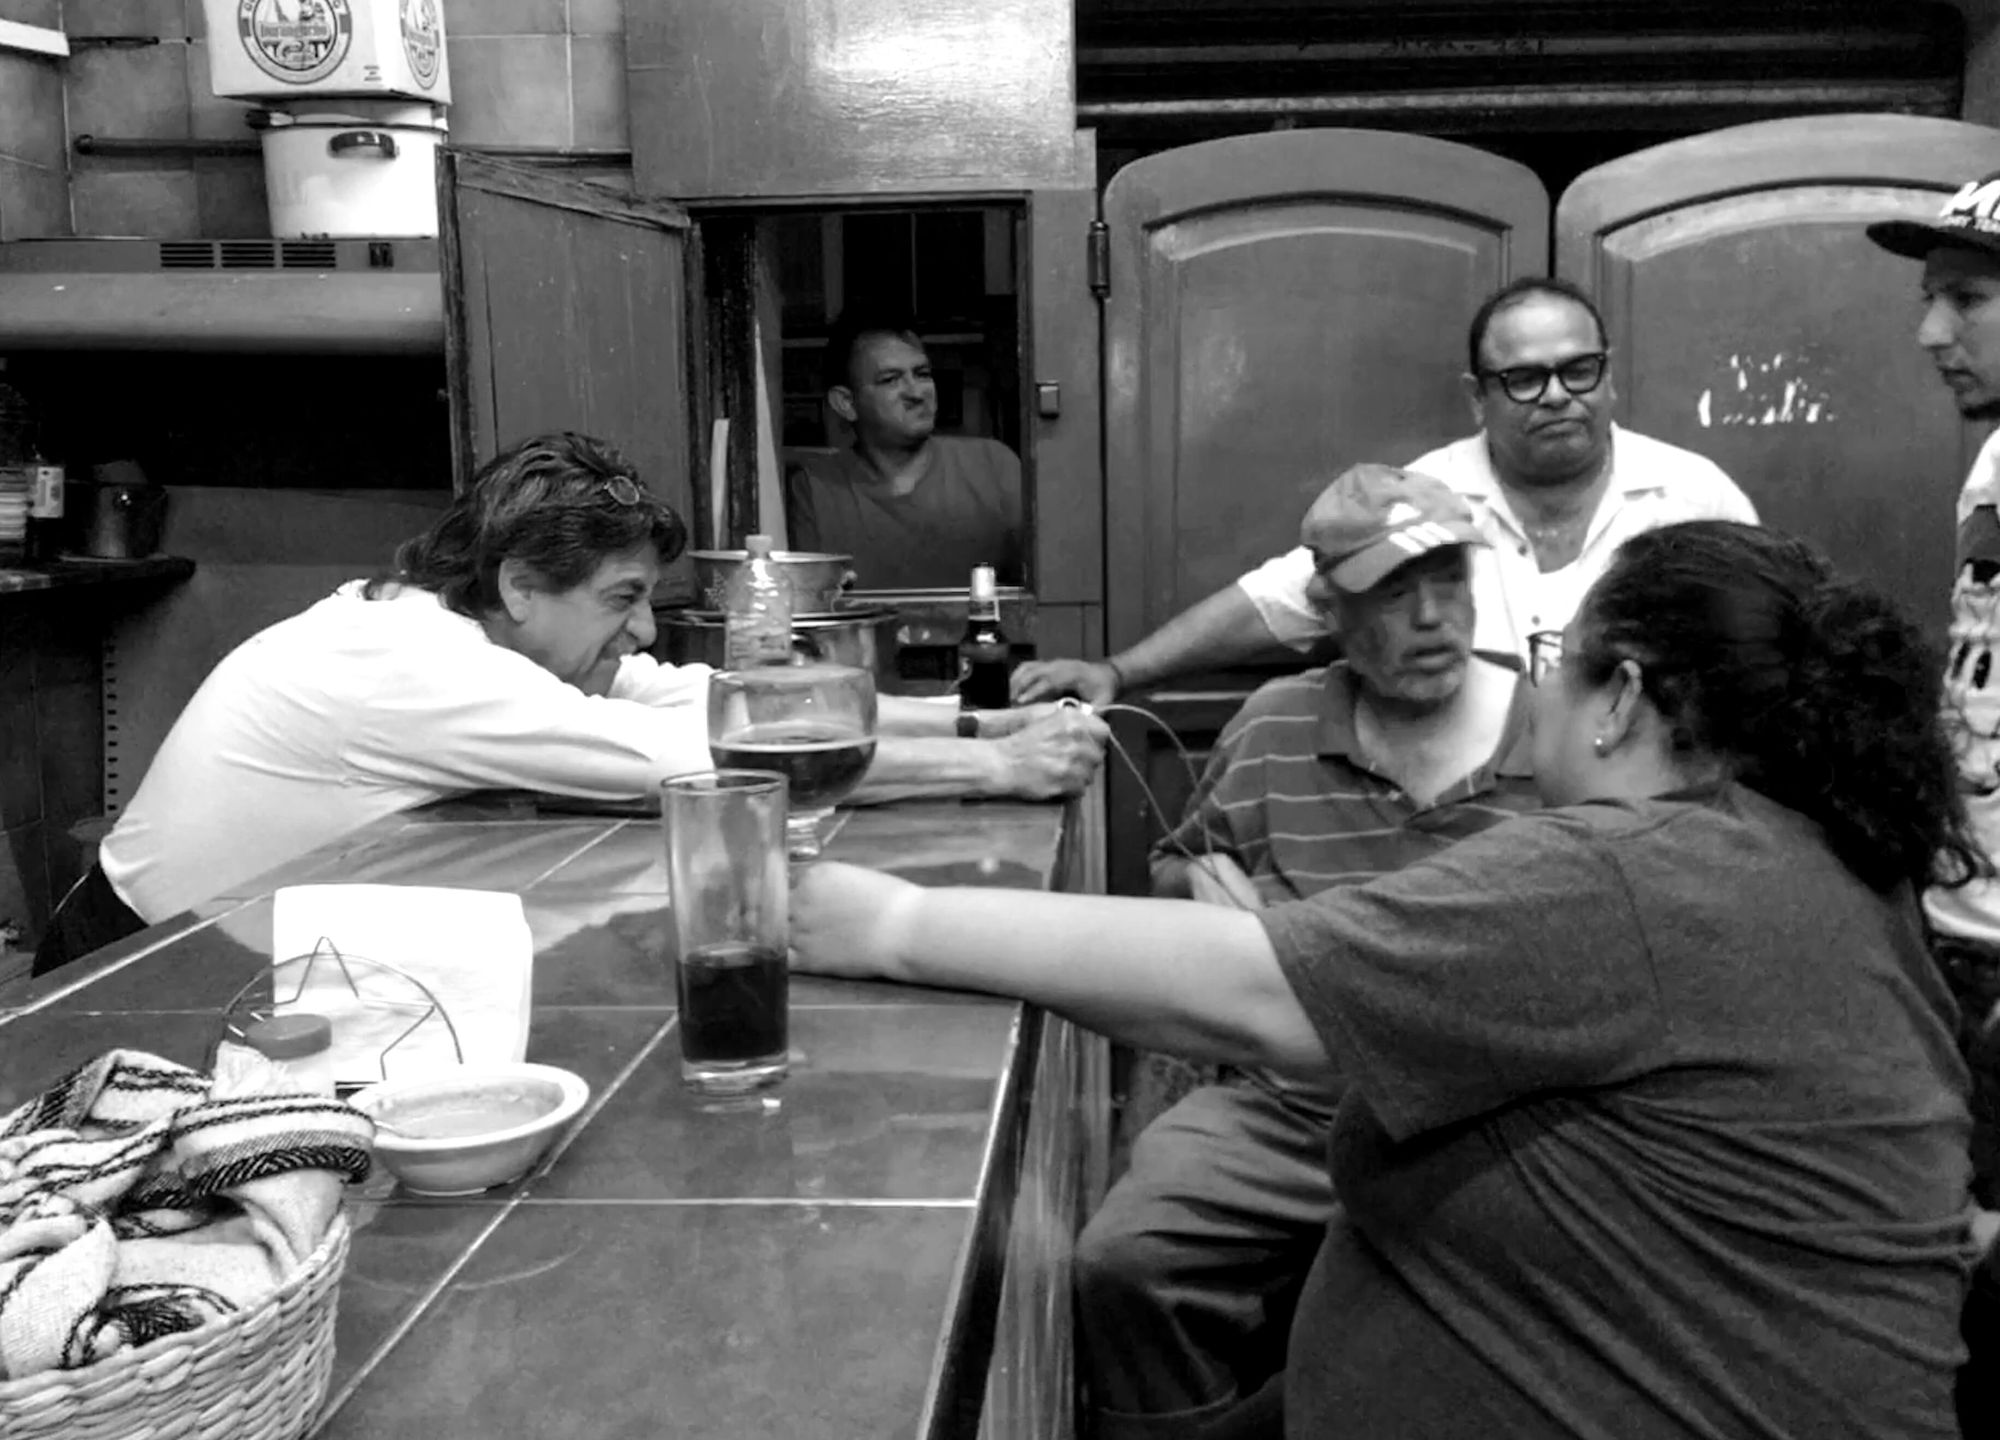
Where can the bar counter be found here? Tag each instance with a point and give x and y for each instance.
(883, 1252)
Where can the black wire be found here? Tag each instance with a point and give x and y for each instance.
(1172, 828)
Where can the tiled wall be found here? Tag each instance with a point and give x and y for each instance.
(523, 73)
(34, 189)
(541, 73)
(51, 727)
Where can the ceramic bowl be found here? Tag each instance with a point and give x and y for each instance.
(458, 1132)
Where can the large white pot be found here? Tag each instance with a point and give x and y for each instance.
(364, 170)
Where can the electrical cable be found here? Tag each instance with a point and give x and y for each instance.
(1170, 827)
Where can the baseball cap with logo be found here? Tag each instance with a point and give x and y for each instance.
(1373, 518)
(1967, 221)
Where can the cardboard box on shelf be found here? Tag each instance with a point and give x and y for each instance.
(278, 49)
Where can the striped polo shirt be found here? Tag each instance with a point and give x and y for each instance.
(1288, 796)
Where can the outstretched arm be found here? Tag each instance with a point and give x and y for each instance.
(1044, 753)
(1196, 980)
(1225, 629)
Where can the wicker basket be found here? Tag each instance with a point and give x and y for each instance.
(257, 1375)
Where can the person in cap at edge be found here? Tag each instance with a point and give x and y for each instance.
(1554, 487)
(508, 650)
(1960, 331)
(1187, 1274)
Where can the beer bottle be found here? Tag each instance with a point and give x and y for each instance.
(984, 658)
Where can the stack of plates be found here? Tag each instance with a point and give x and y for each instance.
(13, 506)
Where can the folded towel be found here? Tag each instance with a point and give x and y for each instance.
(139, 1198)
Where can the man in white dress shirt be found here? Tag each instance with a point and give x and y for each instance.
(507, 651)
(1554, 487)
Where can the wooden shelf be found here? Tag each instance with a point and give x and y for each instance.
(69, 574)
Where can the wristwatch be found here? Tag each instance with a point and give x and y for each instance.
(968, 725)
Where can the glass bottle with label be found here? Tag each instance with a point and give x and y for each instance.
(985, 659)
(46, 482)
(16, 476)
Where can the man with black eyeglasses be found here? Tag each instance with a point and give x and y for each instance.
(1554, 487)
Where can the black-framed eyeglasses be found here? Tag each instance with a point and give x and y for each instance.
(1525, 384)
(1545, 655)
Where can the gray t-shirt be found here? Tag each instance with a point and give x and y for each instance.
(1655, 1127)
(966, 511)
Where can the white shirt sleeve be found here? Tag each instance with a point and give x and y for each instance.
(1278, 589)
(1728, 502)
(643, 679)
(498, 720)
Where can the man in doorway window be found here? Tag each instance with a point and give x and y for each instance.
(1960, 331)
(915, 509)
(1187, 1275)
(1553, 484)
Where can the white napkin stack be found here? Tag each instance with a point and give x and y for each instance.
(472, 948)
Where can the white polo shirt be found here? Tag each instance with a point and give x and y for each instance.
(1652, 484)
(356, 709)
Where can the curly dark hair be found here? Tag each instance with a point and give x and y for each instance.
(1520, 292)
(1813, 688)
(559, 503)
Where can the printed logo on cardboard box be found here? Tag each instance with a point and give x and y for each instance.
(423, 39)
(296, 41)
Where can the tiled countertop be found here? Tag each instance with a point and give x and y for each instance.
(805, 1270)
(70, 573)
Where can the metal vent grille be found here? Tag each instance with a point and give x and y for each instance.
(187, 255)
(246, 254)
(306, 254)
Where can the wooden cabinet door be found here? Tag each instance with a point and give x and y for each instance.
(565, 309)
(1755, 323)
(1280, 307)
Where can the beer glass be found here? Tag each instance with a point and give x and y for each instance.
(814, 724)
(728, 883)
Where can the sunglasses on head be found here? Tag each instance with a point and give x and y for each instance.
(623, 489)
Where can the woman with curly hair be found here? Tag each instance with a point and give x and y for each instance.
(1654, 1122)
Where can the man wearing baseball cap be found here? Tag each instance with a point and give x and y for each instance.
(1187, 1275)
(1960, 331)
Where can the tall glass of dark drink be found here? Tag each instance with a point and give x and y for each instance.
(728, 883)
(813, 724)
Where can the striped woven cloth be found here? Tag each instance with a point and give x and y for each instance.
(139, 1198)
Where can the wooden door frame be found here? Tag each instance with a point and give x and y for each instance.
(1369, 167)
(461, 170)
(1846, 149)
(1362, 164)
(1831, 173)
